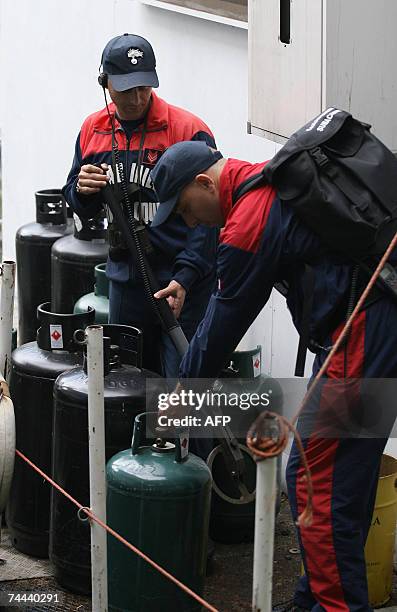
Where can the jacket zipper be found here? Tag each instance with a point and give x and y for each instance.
(127, 148)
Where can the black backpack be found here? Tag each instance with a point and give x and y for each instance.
(342, 182)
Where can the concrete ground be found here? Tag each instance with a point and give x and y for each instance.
(228, 588)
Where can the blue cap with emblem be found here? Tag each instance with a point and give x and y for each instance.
(129, 61)
(177, 167)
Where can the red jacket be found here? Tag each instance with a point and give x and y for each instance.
(166, 125)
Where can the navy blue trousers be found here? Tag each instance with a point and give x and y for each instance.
(129, 306)
(344, 430)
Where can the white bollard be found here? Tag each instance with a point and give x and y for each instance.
(265, 510)
(6, 316)
(7, 445)
(96, 432)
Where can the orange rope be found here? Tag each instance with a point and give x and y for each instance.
(264, 445)
(117, 536)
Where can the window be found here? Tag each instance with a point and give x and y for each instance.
(232, 9)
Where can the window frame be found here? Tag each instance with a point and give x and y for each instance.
(170, 6)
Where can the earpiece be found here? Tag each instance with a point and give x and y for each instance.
(103, 79)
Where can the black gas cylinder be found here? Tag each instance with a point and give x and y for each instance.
(33, 244)
(125, 397)
(73, 261)
(34, 368)
(233, 511)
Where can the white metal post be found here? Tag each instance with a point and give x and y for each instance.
(96, 429)
(6, 316)
(7, 445)
(265, 509)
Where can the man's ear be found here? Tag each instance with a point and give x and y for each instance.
(205, 181)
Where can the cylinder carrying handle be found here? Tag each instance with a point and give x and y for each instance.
(137, 433)
(50, 207)
(129, 339)
(181, 445)
(57, 331)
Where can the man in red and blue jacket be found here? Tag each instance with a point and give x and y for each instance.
(264, 242)
(144, 127)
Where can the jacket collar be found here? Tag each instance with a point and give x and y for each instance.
(226, 187)
(234, 172)
(157, 116)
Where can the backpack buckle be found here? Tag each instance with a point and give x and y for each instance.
(314, 347)
(319, 157)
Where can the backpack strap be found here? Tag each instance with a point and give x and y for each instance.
(341, 179)
(252, 182)
(308, 282)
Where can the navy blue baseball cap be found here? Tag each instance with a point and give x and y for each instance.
(177, 167)
(129, 61)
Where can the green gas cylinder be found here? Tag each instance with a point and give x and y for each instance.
(99, 299)
(233, 513)
(158, 499)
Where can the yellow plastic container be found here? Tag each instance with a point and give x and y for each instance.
(379, 549)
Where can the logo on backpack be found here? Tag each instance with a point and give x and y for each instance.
(329, 114)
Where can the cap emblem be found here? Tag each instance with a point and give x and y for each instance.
(134, 55)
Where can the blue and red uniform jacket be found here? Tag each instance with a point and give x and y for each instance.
(344, 428)
(262, 243)
(186, 255)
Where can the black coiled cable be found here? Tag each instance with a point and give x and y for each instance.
(134, 230)
(350, 307)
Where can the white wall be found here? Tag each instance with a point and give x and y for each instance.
(49, 84)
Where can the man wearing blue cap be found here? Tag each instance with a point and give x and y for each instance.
(142, 126)
(261, 243)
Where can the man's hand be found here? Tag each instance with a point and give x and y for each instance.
(175, 295)
(91, 179)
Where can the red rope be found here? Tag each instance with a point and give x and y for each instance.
(264, 445)
(118, 536)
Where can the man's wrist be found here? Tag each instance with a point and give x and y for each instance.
(175, 280)
(186, 277)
